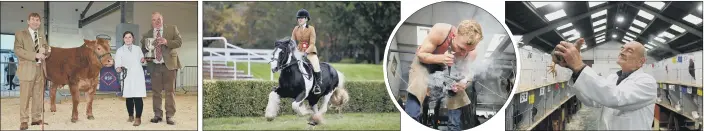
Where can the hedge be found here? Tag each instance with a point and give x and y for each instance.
(246, 98)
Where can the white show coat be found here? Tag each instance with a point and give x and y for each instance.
(626, 106)
(134, 85)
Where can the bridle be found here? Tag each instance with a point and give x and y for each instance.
(287, 50)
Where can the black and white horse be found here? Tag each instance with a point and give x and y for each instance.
(296, 81)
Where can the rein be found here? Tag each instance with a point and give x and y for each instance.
(279, 67)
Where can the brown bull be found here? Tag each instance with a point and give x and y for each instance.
(79, 68)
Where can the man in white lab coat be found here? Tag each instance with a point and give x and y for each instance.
(626, 98)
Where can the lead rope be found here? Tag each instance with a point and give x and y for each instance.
(46, 82)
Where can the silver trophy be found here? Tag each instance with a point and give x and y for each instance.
(149, 43)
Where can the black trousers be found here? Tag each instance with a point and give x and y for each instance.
(135, 104)
(9, 80)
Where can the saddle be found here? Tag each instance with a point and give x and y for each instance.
(306, 69)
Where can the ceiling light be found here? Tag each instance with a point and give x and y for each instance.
(600, 40)
(599, 22)
(592, 4)
(634, 29)
(631, 35)
(571, 32)
(542, 4)
(555, 15)
(600, 28)
(539, 4)
(650, 47)
(600, 34)
(614, 36)
(558, 4)
(574, 37)
(651, 44)
(584, 46)
(639, 23)
(693, 19)
(619, 19)
(677, 28)
(656, 4)
(660, 39)
(564, 26)
(600, 13)
(628, 38)
(666, 34)
(624, 41)
(645, 15)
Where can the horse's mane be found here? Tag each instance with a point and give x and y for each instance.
(286, 40)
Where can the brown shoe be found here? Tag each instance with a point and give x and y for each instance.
(130, 119)
(39, 122)
(24, 126)
(137, 122)
(170, 121)
(156, 120)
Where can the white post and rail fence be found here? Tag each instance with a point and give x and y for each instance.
(230, 53)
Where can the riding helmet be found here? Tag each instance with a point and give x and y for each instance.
(303, 13)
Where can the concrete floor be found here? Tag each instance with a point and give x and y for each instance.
(584, 119)
(4, 93)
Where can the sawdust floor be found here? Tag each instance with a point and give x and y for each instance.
(109, 111)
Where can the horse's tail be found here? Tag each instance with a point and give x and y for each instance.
(340, 95)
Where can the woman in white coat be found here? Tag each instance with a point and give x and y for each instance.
(130, 56)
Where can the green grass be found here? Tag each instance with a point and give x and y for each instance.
(333, 121)
(259, 70)
(351, 71)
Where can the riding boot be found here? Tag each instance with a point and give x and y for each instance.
(313, 58)
(316, 83)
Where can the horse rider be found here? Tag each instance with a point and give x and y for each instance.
(304, 35)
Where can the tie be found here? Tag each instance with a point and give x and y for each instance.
(129, 48)
(36, 45)
(158, 48)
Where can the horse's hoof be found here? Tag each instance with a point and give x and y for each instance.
(313, 124)
(269, 118)
(53, 109)
(74, 120)
(91, 117)
(315, 119)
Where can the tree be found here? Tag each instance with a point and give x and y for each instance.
(344, 29)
